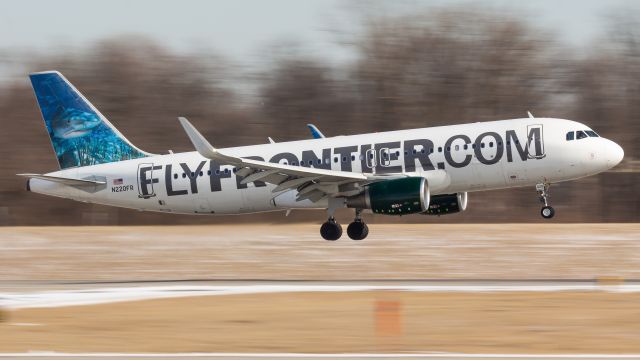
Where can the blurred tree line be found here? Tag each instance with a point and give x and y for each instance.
(447, 66)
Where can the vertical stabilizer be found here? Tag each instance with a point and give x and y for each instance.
(79, 133)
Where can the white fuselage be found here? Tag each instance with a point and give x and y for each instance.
(457, 158)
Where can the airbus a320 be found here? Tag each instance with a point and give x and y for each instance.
(428, 171)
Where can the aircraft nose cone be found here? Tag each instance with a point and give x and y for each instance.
(615, 154)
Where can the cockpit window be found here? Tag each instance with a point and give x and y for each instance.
(570, 135)
(592, 133)
(580, 135)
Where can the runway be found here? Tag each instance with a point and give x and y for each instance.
(295, 252)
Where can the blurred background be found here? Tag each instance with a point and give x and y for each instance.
(245, 70)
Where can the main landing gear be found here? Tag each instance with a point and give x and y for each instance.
(357, 230)
(547, 211)
(331, 230)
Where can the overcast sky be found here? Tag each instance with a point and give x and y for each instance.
(242, 28)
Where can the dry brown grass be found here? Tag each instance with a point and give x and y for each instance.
(558, 322)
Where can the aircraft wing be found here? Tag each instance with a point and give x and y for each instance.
(312, 183)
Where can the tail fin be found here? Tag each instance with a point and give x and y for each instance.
(80, 134)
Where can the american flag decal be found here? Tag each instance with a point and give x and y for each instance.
(117, 181)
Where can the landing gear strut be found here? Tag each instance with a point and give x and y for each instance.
(331, 230)
(547, 211)
(358, 229)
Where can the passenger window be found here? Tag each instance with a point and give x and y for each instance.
(580, 135)
(175, 176)
(440, 149)
(491, 144)
(457, 147)
(482, 145)
(466, 146)
(570, 135)
(592, 133)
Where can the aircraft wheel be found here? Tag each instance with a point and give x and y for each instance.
(331, 230)
(547, 212)
(358, 230)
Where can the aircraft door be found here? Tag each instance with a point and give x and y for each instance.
(385, 157)
(535, 142)
(146, 180)
(371, 159)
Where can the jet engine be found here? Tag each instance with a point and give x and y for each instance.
(447, 204)
(394, 197)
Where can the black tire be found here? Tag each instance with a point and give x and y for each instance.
(331, 231)
(547, 212)
(358, 230)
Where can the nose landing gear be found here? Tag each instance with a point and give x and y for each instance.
(547, 211)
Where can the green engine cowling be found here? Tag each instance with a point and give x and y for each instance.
(447, 204)
(394, 197)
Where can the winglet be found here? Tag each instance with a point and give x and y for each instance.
(317, 134)
(201, 144)
(530, 115)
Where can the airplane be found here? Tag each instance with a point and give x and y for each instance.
(428, 171)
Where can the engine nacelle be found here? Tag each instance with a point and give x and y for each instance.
(394, 197)
(447, 204)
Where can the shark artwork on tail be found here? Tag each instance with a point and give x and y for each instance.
(80, 134)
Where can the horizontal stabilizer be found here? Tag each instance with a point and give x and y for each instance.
(64, 180)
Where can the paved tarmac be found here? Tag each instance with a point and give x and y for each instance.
(17, 295)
